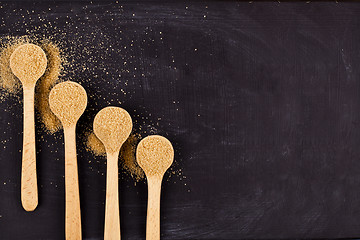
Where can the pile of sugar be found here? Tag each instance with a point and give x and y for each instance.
(68, 101)
(50, 121)
(128, 157)
(8, 82)
(155, 155)
(94, 145)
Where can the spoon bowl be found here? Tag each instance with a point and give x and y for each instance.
(155, 155)
(28, 63)
(112, 125)
(68, 102)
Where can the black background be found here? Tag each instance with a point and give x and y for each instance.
(261, 101)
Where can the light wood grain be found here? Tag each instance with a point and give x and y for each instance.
(112, 212)
(29, 189)
(72, 199)
(153, 209)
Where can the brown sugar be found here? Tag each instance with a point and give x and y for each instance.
(112, 125)
(28, 63)
(128, 158)
(8, 81)
(94, 145)
(155, 155)
(68, 101)
(48, 81)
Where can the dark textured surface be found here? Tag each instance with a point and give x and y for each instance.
(261, 101)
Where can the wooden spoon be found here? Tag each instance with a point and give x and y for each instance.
(68, 101)
(154, 155)
(112, 125)
(28, 63)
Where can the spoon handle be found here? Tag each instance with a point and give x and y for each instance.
(29, 191)
(72, 199)
(112, 213)
(153, 209)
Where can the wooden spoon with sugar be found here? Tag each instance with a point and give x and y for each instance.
(112, 125)
(68, 101)
(28, 63)
(154, 155)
